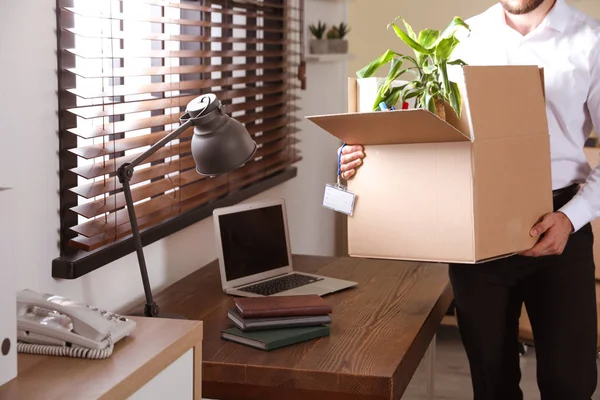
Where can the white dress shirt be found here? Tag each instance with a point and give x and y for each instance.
(567, 45)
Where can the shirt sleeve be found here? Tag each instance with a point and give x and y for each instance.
(585, 206)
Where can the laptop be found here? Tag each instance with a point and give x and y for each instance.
(254, 253)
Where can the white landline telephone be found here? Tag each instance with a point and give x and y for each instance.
(53, 325)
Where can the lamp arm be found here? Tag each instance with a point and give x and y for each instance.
(156, 146)
(150, 308)
(125, 173)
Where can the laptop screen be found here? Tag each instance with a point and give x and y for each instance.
(253, 241)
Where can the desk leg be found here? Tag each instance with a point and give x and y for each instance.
(431, 369)
(421, 386)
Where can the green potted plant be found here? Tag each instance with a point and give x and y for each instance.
(430, 85)
(318, 45)
(338, 42)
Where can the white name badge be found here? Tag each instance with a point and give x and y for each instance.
(338, 199)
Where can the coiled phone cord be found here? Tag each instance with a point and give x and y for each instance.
(64, 351)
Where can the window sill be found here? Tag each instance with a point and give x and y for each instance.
(82, 263)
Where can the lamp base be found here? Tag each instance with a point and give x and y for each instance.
(160, 315)
(151, 310)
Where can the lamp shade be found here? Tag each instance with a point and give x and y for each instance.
(220, 143)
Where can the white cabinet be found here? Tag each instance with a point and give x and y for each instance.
(161, 360)
(176, 382)
(8, 317)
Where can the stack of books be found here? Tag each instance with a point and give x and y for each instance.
(269, 323)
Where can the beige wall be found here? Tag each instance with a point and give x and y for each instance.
(368, 20)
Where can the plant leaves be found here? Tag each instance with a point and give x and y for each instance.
(444, 77)
(387, 96)
(427, 37)
(388, 84)
(406, 39)
(395, 71)
(445, 48)
(393, 96)
(429, 68)
(369, 70)
(395, 66)
(414, 93)
(457, 62)
(456, 24)
(455, 98)
(425, 100)
(410, 30)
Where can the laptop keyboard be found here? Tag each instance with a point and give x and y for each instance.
(282, 284)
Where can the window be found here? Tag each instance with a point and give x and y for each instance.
(127, 69)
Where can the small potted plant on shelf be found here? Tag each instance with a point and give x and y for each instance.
(318, 45)
(430, 85)
(337, 42)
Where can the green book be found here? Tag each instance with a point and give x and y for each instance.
(274, 338)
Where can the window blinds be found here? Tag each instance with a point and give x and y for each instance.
(128, 68)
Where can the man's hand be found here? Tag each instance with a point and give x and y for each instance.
(351, 159)
(556, 229)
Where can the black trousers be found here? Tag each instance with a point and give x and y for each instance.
(560, 298)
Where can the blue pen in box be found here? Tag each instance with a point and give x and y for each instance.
(384, 107)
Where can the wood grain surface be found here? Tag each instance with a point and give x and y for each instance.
(152, 347)
(380, 331)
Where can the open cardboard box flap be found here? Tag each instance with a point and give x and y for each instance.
(372, 128)
(492, 108)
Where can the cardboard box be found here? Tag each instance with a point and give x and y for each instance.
(461, 191)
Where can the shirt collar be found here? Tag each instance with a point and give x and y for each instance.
(557, 18)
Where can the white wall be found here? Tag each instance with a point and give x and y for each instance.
(29, 136)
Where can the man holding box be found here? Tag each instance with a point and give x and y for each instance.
(555, 278)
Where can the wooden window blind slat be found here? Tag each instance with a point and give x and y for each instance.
(165, 20)
(112, 184)
(168, 37)
(257, 13)
(172, 70)
(197, 6)
(126, 126)
(90, 54)
(108, 109)
(269, 126)
(106, 167)
(179, 101)
(118, 146)
(128, 69)
(118, 91)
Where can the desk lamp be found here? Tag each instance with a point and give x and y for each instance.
(219, 144)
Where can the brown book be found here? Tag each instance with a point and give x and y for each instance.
(281, 306)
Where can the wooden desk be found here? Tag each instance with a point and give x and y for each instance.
(380, 331)
(154, 346)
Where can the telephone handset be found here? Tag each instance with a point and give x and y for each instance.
(54, 325)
